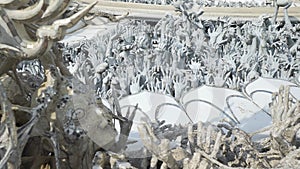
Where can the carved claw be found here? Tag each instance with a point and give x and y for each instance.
(56, 14)
(26, 13)
(72, 20)
(53, 6)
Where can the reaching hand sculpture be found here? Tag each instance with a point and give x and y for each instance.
(286, 4)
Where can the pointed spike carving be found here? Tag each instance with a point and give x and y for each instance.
(72, 20)
(52, 8)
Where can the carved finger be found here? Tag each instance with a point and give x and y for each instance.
(132, 115)
(199, 134)
(127, 113)
(217, 144)
(195, 161)
(208, 137)
(153, 162)
(55, 14)
(148, 138)
(191, 134)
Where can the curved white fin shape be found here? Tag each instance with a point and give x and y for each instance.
(6, 2)
(26, 13)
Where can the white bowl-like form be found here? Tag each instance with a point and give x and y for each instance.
(172, 114)
(199, 110)
(208, 104)
(260, 90)
(150, 102)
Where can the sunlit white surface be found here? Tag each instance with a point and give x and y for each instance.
(297, 79)
(207, 104)
(204, 112)
(261, 90)
(251, 117)
(205, 95)
(173, 115)
(149, 101)
(295, 92)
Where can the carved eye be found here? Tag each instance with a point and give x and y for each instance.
(79, 113)
(69, 129)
